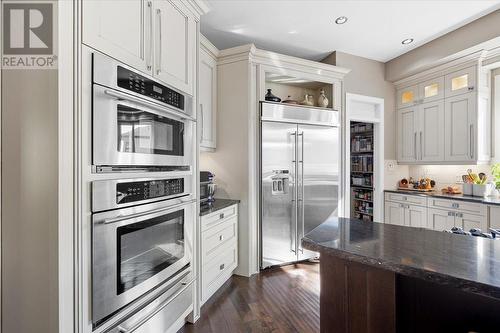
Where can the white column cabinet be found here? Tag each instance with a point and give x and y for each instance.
(121, 29)
(157, 37)
(208, 95)
(174, 44)
(407, 128)
(460, 127)
(453, 117)
(431, 136)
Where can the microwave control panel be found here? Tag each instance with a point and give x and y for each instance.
(144, 190)
(137, 83)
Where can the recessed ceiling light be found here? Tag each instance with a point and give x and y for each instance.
(341, 20)
(407, 41)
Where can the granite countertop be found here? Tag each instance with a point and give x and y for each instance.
(218, 204)
(465, 262)
(437, 194)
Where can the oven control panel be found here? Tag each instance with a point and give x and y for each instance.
(137, 83)
(150, 189)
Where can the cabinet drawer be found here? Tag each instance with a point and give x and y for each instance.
(218, 270)
(406, 198)
(456, 205)
(217, 236)
(213, 219)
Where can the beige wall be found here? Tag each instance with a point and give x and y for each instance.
(29, 201)
(367, 77)
(472, 34)
(230, 162)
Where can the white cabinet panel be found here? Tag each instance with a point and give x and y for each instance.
(494, 217)
(469, 221)
(208, 100)
(438, 219)
(407, 96)
(416, 216)
(460, 128)
(175, 44)
(394, 213)
(431, 90)
(460, 82)
(432, 134)
(407, 134)
(120, 29)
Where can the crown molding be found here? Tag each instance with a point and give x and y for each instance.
(208, 47)
(251, 53)
(200, 6)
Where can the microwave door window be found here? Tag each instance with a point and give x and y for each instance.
(148, 247)
(148, 133)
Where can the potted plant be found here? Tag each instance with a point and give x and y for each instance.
(495, 172)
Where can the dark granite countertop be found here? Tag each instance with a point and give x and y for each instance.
(465, 262)
(437, 194)
(218, 204)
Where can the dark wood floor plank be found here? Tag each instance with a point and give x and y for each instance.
(279, 300)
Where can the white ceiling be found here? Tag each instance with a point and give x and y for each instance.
(306, 28)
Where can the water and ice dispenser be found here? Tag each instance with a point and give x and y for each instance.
(280, 182)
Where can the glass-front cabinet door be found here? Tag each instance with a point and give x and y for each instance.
(431, 90)
(460, 82)
(407, 96)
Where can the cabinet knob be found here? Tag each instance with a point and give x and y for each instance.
(221, 216)
(470, 88)
(221, 267)
(221, 238)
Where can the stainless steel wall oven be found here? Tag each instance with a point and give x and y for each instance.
(138, 122)
(142, 237)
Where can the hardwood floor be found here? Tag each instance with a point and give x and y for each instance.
(284, 299)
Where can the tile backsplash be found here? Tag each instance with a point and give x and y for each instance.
(446, 175)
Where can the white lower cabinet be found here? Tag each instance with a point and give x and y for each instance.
(495, 217)
(438, 213)
(399, 211)
(219, 246)
(440, 220)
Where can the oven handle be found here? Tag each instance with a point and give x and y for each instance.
(125, 97)
(120, 218)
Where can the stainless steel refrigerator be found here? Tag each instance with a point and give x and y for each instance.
(299, 178)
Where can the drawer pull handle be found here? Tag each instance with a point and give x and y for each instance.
(405, 198)
(221, 267)
(221, 216)
(221, 238)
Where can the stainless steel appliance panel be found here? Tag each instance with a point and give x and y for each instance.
(105, 73)
(318, 180)
(106, 151)
(123, 269)
(106, 197)
(278, 205)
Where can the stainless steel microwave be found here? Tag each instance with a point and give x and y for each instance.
(137, 121)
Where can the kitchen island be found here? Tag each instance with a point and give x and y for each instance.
(378, 277)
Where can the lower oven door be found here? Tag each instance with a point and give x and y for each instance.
(130, 131)
(137, 249)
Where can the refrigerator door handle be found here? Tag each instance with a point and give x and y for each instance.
(293, 234)
(302, 214)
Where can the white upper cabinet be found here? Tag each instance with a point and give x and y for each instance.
(453, 117)
(407, 96)
(407, 128)
(460, 82)
(208, 94)
(158, 37)
(175, 44)
(431, 90)
(431, 135)
(118, 28)
(460, 128)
